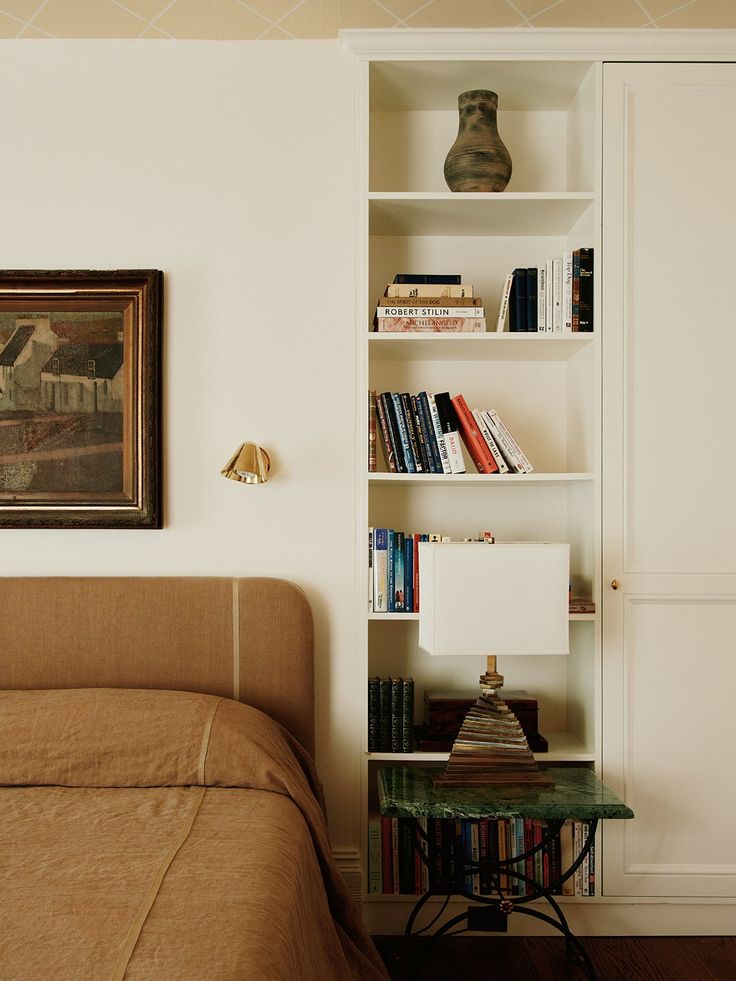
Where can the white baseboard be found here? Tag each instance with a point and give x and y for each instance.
(348, 862)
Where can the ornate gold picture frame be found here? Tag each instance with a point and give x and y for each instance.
(80, 399)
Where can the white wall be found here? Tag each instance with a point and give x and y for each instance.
(228, 165)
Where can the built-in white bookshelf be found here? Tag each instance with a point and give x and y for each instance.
(545, 387)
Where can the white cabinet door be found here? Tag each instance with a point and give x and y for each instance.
(669, 477)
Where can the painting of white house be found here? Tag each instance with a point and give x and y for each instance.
(61, 403)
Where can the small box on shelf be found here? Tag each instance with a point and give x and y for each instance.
(444, 712)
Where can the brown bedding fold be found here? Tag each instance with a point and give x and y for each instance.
(165, 835)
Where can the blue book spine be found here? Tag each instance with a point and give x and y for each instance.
(420, 433)
(390, 570)
(409, 573)
(430, 438)
(520, 867)
(399, 587)
(517, 301)
(468, 853)
(404, 433)
(531, 298)
(393, 430)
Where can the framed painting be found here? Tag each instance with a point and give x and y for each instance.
(80, 399)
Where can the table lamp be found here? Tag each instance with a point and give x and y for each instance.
(508, 598)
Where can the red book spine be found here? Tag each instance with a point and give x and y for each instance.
(480, 454)
(372, 461)
(415, 571)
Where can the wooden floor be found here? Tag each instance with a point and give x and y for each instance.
(544, 959)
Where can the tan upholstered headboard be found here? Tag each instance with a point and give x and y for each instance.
(249, 639)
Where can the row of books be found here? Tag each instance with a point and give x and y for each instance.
(556, 298)
(465, 848)
(390, 715)
(416, 302)
(423, 433)
(393, 567)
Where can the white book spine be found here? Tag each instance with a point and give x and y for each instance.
(524, 466)
(541, 299)
(527, 467)
(455, 452)
(439, 435)
(452, 325)
(380, 580)
(385, 310)
(549, 297)
(586, 861)
(503, 310)
(488, 437)
(557, 296)
(513, 461)
(567, 293)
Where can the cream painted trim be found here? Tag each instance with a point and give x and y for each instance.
(236, 640)
(137, 925)
(637, 44)
(348, 864)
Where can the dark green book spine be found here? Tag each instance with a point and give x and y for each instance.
(374, 714)
(406, 856)
(407, 716)
(384, 722)
(396, 713)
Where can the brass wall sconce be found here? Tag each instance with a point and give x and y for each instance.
(249, 464)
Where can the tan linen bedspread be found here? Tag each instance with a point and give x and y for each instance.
(163, 835)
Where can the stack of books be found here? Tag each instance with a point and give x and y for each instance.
(395, 866)
(423, 434)
(393, 567)
(420, 302)
(390, 715)
(556, 298)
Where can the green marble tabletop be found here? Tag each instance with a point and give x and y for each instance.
(407, 791)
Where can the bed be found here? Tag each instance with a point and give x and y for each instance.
(160, 816)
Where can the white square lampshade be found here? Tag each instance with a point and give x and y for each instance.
(508, 598)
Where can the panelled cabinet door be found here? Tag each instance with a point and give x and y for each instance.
(669, 477)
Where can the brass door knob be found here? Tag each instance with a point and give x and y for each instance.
(614, 584)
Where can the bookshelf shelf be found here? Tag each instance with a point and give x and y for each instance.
(564, 747)
(476, 347)
(398, 617)
(480, 478)
(474, 213)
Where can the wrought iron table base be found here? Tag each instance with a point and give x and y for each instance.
(502, 905)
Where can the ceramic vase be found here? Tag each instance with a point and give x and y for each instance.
(478, 159)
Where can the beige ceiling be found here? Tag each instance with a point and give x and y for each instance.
(284, 19)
